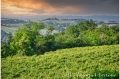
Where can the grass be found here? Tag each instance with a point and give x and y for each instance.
(96, 62)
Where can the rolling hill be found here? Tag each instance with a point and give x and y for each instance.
(92, 62)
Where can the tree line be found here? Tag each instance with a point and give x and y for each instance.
(27, 40)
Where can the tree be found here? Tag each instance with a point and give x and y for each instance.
(41, 25)
(89, 38)
(4, 51)
(10, 37)
(88, 24)
(92, 24)
(108, 35)
(6, 47)
(72, 31)
(59, 40)
(24, 40)
(50, 29)
(115, 28)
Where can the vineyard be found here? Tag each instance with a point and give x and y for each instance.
(92, 62)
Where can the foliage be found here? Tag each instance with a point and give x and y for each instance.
(89, 38)
(50, 29)
(28, 41)
(82, 26)
(92, 62)
(23, 42)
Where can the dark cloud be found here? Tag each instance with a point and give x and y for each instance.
(89, 6)
(78, 2)
(68, 7)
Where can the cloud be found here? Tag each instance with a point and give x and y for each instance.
(61, 7)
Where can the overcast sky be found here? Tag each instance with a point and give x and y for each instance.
(59, 7)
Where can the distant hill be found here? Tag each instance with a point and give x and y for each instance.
(4, 37)
(52, 19)
(94, 17)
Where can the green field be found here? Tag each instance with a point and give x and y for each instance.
(93, 62)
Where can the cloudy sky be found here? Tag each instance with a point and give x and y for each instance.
(59, 7)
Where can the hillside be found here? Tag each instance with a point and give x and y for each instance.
(74, 63)
(4, 37)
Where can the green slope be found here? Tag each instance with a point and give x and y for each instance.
(73, 63)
